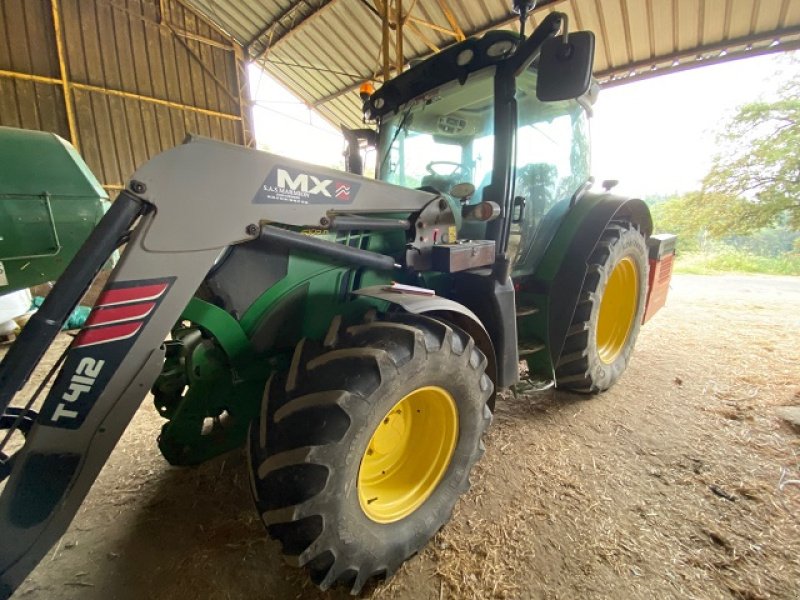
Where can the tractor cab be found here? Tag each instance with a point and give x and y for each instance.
(443, 127)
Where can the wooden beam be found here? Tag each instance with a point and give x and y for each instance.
(448, 14)
(163, 19)
(268, 27)
(118, 93)
(433, 26)
(385, 39)
(29, 77)
(227, 46)
(68, 86)
(130, 95)
(604, 33)
(201, 63)
(64, 71)
(304, 21)
(206, 19)
(398, 30)
(410, 9)
(245, 103)
(412, 28)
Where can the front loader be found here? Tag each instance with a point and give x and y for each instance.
(350, 333)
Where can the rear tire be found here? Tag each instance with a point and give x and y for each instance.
(310, 448)
(609, 312)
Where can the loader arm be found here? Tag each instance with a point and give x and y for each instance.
(196, 200)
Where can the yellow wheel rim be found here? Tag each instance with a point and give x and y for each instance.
(617, 310)
(408, 454)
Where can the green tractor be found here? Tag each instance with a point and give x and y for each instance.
(351, 333)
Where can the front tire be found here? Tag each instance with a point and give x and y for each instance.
(362, 450)
(609, 312)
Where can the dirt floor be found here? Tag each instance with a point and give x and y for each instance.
(678, 483)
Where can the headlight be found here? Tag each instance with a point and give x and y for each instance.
(500, 48)
(465, 57)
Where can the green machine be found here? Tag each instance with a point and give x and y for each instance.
(349, 333)
(49, 204)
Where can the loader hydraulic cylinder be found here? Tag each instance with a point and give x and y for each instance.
(346, 254)
(41, 330)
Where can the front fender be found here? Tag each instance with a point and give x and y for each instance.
(447, 310)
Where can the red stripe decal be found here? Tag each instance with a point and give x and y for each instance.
(131, 294)
(117, 314)
(102, 335)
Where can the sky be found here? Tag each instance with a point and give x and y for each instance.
(656, 136)
(285, 126)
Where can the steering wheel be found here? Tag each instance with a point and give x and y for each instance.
(458, 172)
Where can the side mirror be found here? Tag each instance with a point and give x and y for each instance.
(565, 67)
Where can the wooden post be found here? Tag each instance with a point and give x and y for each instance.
(398, 19)
(385, 40)
(65, 84)
(245, 103)
(451, 19)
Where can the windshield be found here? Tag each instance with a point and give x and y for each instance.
(447, 136)
(442, 138)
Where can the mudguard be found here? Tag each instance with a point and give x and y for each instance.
(419, 304)
(447, 310)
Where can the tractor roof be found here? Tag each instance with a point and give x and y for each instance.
(455, 64)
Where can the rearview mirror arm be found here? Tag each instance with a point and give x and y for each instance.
(529, 49)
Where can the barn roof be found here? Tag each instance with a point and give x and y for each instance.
(323, 49)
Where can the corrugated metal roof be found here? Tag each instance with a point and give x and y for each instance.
(323, 49)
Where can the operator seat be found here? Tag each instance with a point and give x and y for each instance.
(536, 182)
(441, 183)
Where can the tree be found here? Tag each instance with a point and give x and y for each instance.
(698, 216)
(678, 215)
(755, 180)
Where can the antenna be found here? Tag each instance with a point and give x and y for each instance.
(522, 8)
